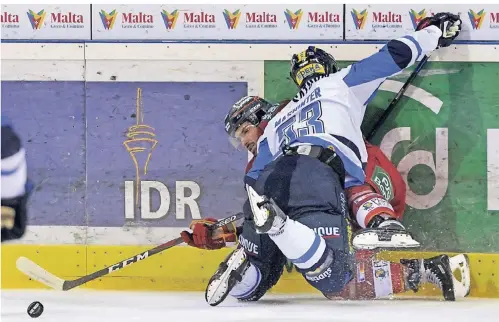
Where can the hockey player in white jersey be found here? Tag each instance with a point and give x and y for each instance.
(15, 184)
(308, 154)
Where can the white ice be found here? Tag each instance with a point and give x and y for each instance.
(105, 306)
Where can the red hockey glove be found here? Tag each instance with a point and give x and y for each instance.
(203, 237)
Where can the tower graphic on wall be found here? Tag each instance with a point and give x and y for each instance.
(140, 143)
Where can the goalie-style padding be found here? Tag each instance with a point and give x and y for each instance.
(263, 253)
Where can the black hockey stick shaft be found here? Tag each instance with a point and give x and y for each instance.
(396, 99)
(141, 256)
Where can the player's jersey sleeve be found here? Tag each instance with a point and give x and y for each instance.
(263, 158)
(364, 77)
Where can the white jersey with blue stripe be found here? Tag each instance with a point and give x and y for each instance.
(329, 111)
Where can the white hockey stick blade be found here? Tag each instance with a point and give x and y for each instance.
(37, 273)
(461, 263)
(371, 240)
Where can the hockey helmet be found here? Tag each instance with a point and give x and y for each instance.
(310, 63)
(250, 109)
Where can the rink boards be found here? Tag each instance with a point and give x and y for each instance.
(187, 269)
(78, 105)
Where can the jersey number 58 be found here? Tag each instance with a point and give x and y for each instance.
(308, 122)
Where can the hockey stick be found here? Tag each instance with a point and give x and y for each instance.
(396, 99)
(37, 273)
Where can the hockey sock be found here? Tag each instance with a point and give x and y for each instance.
(300, 244)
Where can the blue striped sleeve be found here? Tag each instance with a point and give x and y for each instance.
(365, 76)
(263, 158)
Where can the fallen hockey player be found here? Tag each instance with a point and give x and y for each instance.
(15, 185)
(374, 278)
(301, 170)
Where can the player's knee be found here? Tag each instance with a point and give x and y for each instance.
(266, 264)
(331, 273)
(258, 279)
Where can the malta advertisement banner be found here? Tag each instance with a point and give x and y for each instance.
(216, 22)
(65, 21)
(374, 22)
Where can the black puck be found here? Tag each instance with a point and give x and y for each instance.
(35, 309)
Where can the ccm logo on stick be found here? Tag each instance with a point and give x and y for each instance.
(129, 261)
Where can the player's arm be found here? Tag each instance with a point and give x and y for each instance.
(15, 185)
(364, 77)
(263, 158)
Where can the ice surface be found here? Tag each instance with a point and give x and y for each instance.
(96, 306)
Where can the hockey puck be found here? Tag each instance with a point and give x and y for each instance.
(35, 309)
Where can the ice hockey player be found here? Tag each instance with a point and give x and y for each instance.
(374, 278)
(308, 154)
(15, 185)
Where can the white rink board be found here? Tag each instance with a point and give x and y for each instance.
(381, 21)
(41, 21)
(217, 22)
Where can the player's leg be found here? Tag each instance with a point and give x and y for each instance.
(376, 279)
(377, 206)
(250, 270)
(300, 204)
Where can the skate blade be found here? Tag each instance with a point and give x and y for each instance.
(371, 240)
(218, 289)
(461, 263)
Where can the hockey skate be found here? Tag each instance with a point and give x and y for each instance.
(229, 272)
(267, 216)
(384, 233)
(439, 272)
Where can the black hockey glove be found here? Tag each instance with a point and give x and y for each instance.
(449, 24)
(14, 217)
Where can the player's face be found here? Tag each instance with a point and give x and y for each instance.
(248, 135)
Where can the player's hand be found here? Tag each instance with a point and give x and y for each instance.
(203, 237)
(8, 217)
(448, 23)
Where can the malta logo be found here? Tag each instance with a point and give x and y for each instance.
(476, 18)
(416, 17)
(140, 143)
(108, 19)
(293, 18)
(36, 19)
(232, 18)
(359, 18)
(170, 19)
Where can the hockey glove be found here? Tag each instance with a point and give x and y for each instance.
(448, 23)
(203, 237)
(14, 216)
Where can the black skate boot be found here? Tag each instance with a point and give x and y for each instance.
(439, 272)
(229, 272)
(267, 216)
(384, 233)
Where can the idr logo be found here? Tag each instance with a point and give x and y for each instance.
(108, 19)
(232, 19)
(36, 19)
(416, 17)
(476, 18)
(141, 142)
(170, 19)
(359, 18)
(293, 18)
